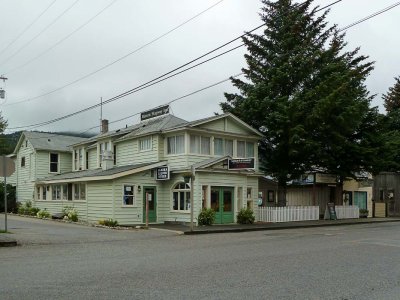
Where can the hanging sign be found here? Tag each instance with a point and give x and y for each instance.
(155, 112)
(241, 163)
(162, 173)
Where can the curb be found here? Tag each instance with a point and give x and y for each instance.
(7, 242)
(235, 230)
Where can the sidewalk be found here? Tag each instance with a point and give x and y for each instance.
(185, 229)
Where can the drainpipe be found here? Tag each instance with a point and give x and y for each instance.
(192, 196)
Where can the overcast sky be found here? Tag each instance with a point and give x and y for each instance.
(128, 25)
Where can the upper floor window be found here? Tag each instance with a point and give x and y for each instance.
(105, 146)
(23, 161)
(54, 162)
(199, 144)
(145, 144)
(176, 144)
(79, 159)
(223, 147)
(244, 149)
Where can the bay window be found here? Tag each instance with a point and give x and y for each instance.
(176, 144)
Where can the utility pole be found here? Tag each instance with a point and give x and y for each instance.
(2, 92)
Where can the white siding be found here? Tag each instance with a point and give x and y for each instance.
(24, 182)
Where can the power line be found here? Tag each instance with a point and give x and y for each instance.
(167, 103)
(61, 40)
(134, 90)
(370, 16)
(28, 27)
(117, 60)
(40, 33)
(157, 79)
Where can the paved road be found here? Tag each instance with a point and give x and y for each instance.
(60, 261)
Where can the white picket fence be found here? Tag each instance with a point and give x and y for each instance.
(287, 213)
(347, 212)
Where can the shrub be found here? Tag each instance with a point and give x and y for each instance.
(70, 214)
(43, 214)
(245, 216)
(206, 216)
(32, 211)
(28, 209)
(109, 222)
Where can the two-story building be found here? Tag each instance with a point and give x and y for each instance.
(114, 174)
(38, 155)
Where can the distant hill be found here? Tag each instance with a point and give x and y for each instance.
(9, 141)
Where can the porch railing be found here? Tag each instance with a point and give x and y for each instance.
(287, 214)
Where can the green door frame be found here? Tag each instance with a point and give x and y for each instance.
(221, 216)
(152, 205)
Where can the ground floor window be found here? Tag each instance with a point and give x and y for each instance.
(181, 197)
(129, 197)
(56, 192)
(79, 191)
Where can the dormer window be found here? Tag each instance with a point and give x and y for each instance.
(79, 159)
(54, 157)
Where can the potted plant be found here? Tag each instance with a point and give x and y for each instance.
(363, 213)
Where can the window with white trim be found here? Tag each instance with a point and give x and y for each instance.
(176, 144)
(129, 195)
(229, 147)
(199, 144)
(38, 192)
(79, 191)
(23, 161)
(54, 161)
(145, 144)
(244, 149)
(223, 147)
(56, 192)
(45, 188)
(181, 197)
(105, 146)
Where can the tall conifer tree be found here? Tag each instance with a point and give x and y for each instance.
(306, 94)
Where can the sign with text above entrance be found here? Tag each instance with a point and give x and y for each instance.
(155, 112)
(162, 173)
(241, 163)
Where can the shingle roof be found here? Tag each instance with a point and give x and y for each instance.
(154, 125)
(51, 141)
(95, 172)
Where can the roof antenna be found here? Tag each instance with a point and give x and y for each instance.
(101, 113)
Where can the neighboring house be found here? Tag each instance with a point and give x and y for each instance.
(267, 192)
(113, 174)
(386, 194)
(40, 154)
(320, 188)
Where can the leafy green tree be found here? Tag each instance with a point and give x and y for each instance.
(4, 143)
(392, 97)
(306, 94)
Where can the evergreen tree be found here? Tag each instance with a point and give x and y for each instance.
(306, 94)
(392, 98)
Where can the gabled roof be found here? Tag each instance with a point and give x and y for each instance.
(214, 118)
(48, 141)
(100, 174)
(154, 125)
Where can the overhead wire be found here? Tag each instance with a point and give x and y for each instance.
(155, 80)
(27, 27)
(40, 33)
(59, 41)
(117, 60)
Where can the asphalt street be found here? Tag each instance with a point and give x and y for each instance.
(60, 261)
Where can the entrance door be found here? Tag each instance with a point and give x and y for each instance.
(360, 199)
(222, 204)
(149, 193)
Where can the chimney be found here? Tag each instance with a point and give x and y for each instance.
(104, 126)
